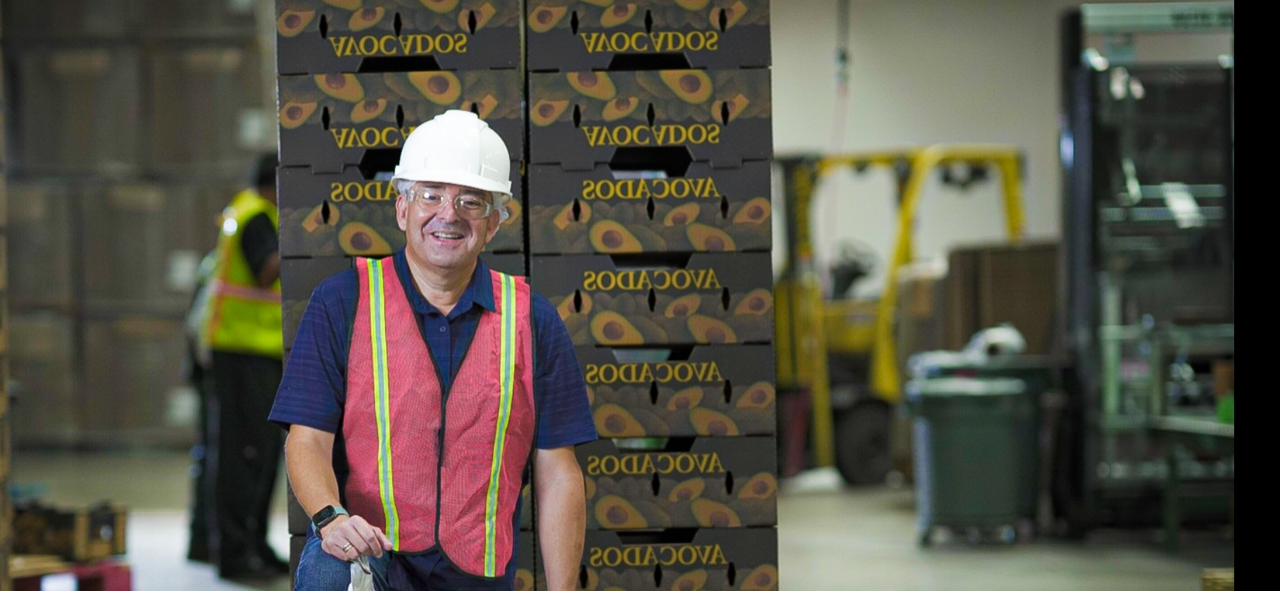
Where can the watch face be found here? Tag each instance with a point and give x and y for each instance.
(324, 515)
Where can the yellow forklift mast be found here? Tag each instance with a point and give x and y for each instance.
(810, 326)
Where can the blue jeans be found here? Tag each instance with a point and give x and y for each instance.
(319, 571)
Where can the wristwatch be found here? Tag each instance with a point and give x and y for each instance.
(324, 516)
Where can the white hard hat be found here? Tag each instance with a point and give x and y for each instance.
(458, 148)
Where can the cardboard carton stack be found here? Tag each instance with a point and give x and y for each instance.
(650, 229)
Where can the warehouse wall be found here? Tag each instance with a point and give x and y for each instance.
(925, 71)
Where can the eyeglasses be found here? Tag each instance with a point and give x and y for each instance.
(466, 205)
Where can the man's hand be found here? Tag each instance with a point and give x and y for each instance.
(347, 538)
(562, 515)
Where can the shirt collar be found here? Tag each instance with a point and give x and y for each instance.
(478, 292)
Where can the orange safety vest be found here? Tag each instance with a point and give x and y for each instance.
(439, 469)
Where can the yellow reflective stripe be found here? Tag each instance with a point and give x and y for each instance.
(506, 377)
(377, 325)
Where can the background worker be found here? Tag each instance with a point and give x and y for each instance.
(243, 331)
(420, 387)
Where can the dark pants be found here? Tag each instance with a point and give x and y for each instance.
(243, 460)
(198, 549)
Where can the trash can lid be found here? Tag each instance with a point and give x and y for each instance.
(966, 387)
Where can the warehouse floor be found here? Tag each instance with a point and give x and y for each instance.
(830, 539)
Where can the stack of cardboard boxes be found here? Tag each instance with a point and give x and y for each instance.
(650, 230)
(6, 505)
(355, 79)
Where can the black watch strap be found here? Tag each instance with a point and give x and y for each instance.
(326, 515)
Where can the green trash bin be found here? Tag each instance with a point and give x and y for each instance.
(1037, 374)
(967, 460)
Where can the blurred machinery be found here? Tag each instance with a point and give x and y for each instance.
(851, 344)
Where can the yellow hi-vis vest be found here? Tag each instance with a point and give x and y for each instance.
(242, 317)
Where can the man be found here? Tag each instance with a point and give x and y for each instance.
(420, 387)
(243, 331)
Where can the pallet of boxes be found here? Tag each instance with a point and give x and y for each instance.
(650, 230)
(355, 78)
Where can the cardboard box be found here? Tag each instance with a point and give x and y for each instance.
(81, 108)
(580, 119)
(715, 391)
(299, 277)
(1224, 378)
(348, 213)
(527, 571)
(187, 18)
(396, 35)
(39, 243)
(702, 210)
(708, 560)
(706, 299)
(40, 357)
(131, 367)
(77, 535)
(330, 121)
(586, 35)
(72, 20)
(991, 285)
(712, 483)
(203, 91)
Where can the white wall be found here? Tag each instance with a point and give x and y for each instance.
(923, 71)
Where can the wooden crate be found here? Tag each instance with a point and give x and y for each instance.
(77, 535)
(1219, 579)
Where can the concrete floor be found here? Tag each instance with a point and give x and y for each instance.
(830, 539)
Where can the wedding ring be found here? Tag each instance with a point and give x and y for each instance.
(346, 547)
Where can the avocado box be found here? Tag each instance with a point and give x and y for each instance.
(350, 214)
(703, 299)
(596, 35)
(714, 391)
(580, 119)
(700, 560)
(321, 36)
(702, 210)
(329, 121)
(709, 482)
(300, 276)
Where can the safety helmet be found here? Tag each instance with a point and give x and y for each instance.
(458, 148)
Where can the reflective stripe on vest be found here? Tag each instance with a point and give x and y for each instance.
(404, 435)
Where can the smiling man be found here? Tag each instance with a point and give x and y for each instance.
(420, 388)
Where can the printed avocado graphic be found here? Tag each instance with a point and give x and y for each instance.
(709, 239)
(713, 423)
(293, 115)
(757, 302)
(483, 15)
(610, 237)
(440, 6)
(706, 329)
(687, 491)
(682, 215)
(761, 486)
(686, 305)
(620, 108)
(611, 329)
(545, 112)
(344, 4)
(483, 107)
(603, 3)
(685, 399)
(753, 212)
(365, 17)
(544, 18)
(728, 16)
(344, 87)
(368, 110)
(733, 108)
(357, 238)
(692, 581)
(593, 578)
(292, 22)
(709, 513)
(567, 308)
(441, 88)
(693, 4)
(758, 395)
(614, 421)
(524, 581)
(564, 217)
(596, 85)
(315, 218)
(763, 578)
(590, 486)
(692, 86)
(615, 512)
(618, 15)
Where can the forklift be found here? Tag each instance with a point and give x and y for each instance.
(823, 341)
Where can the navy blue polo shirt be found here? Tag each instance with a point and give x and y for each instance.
(313, 390)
